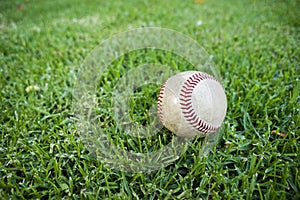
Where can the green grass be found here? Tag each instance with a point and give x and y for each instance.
(255, 45)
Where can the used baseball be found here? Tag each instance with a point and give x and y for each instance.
(192, 103)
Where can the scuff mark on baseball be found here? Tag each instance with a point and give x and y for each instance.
(192, 103)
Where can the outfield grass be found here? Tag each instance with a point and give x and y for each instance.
(255, 46)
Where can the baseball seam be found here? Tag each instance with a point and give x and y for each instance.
(160, 102)
(186, 103)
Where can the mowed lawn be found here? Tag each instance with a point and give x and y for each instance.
(255, 47)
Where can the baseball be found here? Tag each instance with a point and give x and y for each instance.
(192, 103)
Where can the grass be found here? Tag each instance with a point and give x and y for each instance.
(255, 45)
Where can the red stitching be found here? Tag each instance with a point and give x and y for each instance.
(188, 107)
(160, 101)
(186, 103)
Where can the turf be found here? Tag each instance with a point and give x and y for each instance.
(255, 46)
